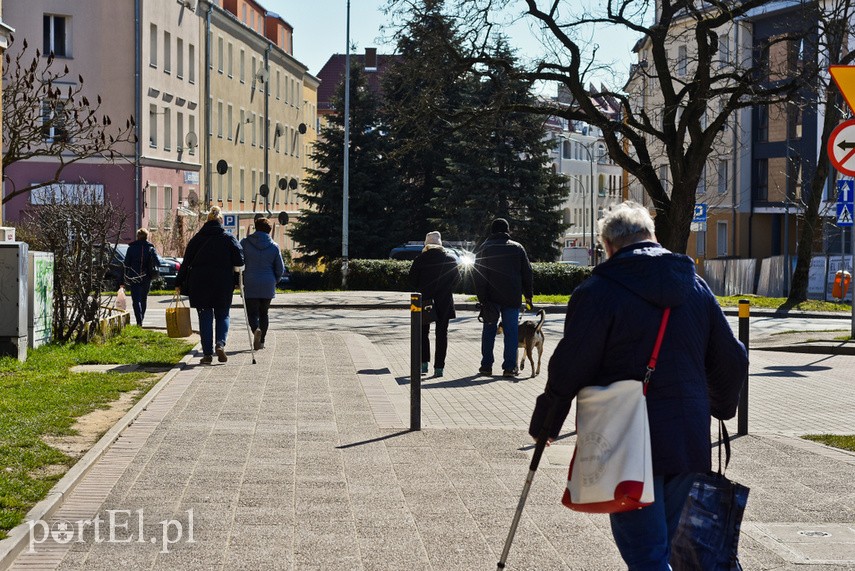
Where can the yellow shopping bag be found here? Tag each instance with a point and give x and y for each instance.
(178, 319)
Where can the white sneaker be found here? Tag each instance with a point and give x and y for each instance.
(256, 340)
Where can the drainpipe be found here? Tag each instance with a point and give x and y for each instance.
(267, 126)
(137, 111)
(207, 104)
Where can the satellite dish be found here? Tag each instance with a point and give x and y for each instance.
(293, 184)
(193, 199)
(222, 166)
(264, 190)
(283, 182)
(283, 218)
(279, 130)
(262, 75)
(302, 128)
(192, 140)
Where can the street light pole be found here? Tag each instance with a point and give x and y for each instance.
(345, 176)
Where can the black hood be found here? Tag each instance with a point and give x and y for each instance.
(659, 276)
(212, 228)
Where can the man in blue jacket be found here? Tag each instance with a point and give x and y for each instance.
(502, 277)
(609, 333)
(141, 263)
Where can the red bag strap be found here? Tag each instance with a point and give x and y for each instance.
(651, 365)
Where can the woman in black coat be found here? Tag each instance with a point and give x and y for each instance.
(210, 260)
(434, 274)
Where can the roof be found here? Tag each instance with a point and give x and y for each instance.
(332, 74)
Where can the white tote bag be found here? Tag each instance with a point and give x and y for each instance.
(612, 466)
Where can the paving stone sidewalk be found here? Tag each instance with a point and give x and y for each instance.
(303, 461)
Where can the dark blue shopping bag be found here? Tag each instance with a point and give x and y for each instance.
(707, 537)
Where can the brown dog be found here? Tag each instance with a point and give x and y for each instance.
(531, 337)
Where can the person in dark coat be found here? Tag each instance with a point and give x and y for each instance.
(141, 263)
(609, 332)
(434, 274)
(264, 268)
(503, 277)
(210, 260)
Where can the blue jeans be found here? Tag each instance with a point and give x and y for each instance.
(139, 297)
(644, 536)
(510, 325)
(206, 326)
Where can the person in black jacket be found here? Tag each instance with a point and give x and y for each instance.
(434, 274)
(141, 263)
(502, 277)
(609, 332)
(210, 260)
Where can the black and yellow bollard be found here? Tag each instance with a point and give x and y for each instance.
(415, 361)
(742, 417)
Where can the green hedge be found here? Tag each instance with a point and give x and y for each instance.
(550, 278)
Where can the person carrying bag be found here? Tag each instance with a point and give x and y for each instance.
(610, 331)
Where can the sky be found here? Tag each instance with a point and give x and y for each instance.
(320, 31)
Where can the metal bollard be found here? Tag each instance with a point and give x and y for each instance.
(742, 417)
(415, 361)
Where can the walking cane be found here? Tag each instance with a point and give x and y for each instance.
(532, 468)
(246, 315)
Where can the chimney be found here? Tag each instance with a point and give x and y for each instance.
(370, 59)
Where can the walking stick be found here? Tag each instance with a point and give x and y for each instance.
(246, 315)
(532, 468)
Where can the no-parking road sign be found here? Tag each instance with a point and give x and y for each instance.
(841, 147)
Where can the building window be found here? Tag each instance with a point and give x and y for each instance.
(152, 46)
(243, 14)
(152, 126)
(192, 129)
(220, 54)
(252, 188)
(762, 123)
(794, 121)
(701, 244)
(278, 84)
(723, 50)
(242, 125)
(721, 239)
(229, 183)
(794, 178)
(230, 61)
(179, 57)
(722, 177)
(191, 62)
(682, 61)
(152, 207)
(254, 130)
(242, 65)
(242, 184)
(56, 35)
(663, 177)
(702, 182)
(53, 121)
(167, 52)
(167, 207)
(167, 129)
(761, 180)
(219, 119)
(229, 122)
(179, 131)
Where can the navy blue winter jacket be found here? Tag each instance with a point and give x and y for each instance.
(264, 266)
(611, 325)
(502, 271)
(208, 268)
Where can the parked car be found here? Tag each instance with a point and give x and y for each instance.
(168, 270)
(411, 250)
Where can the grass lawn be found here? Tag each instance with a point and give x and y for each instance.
(42, 398)
(845, 442)
(733, 301)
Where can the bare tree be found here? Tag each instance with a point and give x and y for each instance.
(675, 106)
(46, 114)
(82, 229)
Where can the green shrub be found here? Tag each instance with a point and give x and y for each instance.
(393, 275)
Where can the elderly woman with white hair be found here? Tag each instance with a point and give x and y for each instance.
(609, 333)
(434, 274)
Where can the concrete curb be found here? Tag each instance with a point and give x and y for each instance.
(15, 543)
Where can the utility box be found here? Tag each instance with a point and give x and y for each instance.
(13, 300)
(7, 234)
(40, 298)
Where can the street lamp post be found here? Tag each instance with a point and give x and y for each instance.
(593, 213)
(345, 176)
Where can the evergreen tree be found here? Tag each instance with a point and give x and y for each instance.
(375, 224)
(422, 91)
(501, 169)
